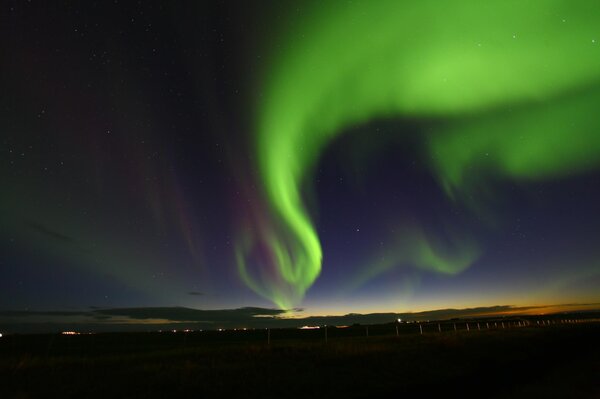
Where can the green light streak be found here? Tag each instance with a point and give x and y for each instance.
(411, 247)
(349, 63)
(281, 291)
(538, 141)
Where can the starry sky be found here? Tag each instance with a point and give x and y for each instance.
(348, 157)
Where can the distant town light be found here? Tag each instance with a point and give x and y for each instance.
(399, 320)
(0, 335)
(309, 327)
(70, 333)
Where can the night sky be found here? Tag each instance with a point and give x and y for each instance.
(347, 157)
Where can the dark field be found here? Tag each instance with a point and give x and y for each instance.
(557, 361)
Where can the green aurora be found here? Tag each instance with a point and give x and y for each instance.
(504, 89)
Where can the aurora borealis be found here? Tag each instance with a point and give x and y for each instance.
(347, 156)
(525, 72)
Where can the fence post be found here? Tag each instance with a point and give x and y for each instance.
(268, 336)
(439, 328)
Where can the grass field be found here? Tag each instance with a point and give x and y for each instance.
(557, 361)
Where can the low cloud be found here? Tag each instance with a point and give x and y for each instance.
(34, 313)
(155, 318)
(179, 314)
(49, 232)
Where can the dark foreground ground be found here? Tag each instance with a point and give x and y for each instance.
(557, 361)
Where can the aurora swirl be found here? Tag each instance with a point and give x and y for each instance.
(507, 89)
